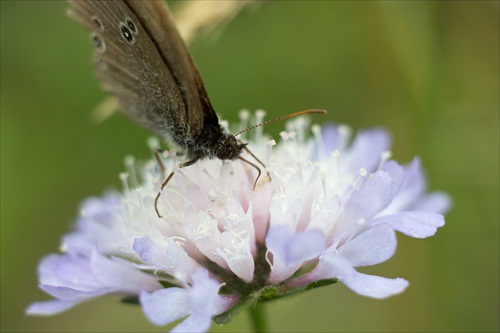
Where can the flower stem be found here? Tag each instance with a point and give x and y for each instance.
(258, 318)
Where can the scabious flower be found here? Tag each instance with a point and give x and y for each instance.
(328, 204)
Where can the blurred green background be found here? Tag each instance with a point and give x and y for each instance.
(427, 71)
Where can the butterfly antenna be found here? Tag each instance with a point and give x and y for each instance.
(291, 115)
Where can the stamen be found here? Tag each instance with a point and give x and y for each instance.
(63, 247)
(204, 229)
(244, 117)
(225, 125)
(259, 118)
(270, 145)
(384, 157)
(172, 153)
(314, 175)
(336, 160)
(157, 184)
(284, 201)
(362, 174)
(123, 178)
(345, 133)
(153, 143)
(138, 191)
(299, 127)
(316, 129)
(267, 259)
(233, 217)
(237, 242)
(322, 177)
(178, 239)
(130, 167)
(150, 167)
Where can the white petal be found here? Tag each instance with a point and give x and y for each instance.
(242, 265)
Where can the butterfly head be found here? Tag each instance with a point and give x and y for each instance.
(228, 147)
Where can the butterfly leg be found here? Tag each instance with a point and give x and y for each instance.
(255, 166)
(157, 154)
(259, 161)
(176, 169)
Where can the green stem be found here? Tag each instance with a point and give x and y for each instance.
(258, 318)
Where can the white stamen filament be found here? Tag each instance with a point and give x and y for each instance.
(244, 117)
(384, 157)
(130, 167)
(259, 118)
(344, 136)
(123, 178)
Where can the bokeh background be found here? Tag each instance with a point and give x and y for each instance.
(428, 71)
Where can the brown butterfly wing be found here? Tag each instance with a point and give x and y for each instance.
(143, 62)
(157, 20)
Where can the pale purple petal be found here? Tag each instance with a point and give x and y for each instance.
(97, 220)
(151, 252)
(121, 276)
(194, 323)
(329, 137)
(295, 248)
(204, 293)
(413, 224)
(435, 202)
(68, 294)
(373, 195)
(170, 257)
(276, 240)
(371, 247)
(165, 305)
(199, 302)
(397, 174)
(68, 278)
(415, 181)
(305, 246)
(291, 250)
(67, 270)
(51, 307)
(366, 149)
(336, 266)
(101, 210)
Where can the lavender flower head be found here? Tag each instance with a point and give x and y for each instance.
(332, 203)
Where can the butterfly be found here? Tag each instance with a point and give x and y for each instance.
(142, 61)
